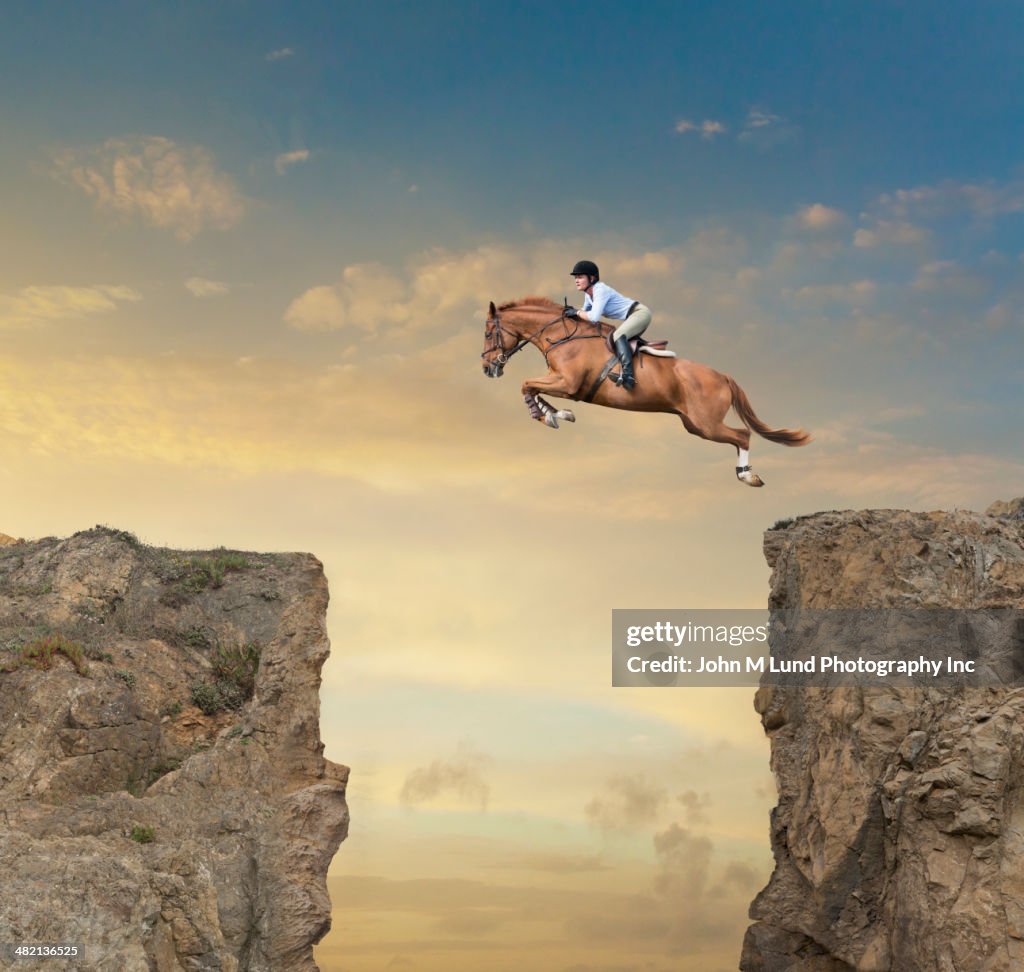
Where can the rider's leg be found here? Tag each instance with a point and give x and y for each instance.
(631, 327)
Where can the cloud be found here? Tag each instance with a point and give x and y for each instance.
(947, 277)
(368, 297)
(657, 263)
(36, 305)
(887, 231)
(892, 472)
(286, 159)
(760, 119)
(201, 287)
(648, 928)
(439, 291)
(685, 862)
(695, 805)
(628, 801)
(764, 130)
(603, 925)
(470, 921)
(1002, 315)
(166, 185)
(555, 863)
(740, 875)
(708, 128)
(280, 54)
(903, 215)
(433, 291)
(982, 200)
(461, 776)
(817, 217)
(255, 416)
(858, 292)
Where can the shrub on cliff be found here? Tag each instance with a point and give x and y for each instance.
(233, 682)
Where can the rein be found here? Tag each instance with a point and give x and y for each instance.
(522, 342)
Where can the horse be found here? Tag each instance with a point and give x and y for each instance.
(580, 369)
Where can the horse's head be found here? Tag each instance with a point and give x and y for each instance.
(498, 342)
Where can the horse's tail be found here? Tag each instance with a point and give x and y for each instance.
(740, 402)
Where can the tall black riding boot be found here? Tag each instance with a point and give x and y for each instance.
(626, 379)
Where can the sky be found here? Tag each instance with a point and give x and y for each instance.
(248, 250)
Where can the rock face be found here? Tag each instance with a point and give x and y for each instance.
(899, 831)
(165, 801)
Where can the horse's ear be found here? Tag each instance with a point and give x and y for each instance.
(494, 310)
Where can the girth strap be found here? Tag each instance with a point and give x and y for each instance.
(605, 371)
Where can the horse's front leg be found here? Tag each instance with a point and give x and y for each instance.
(542, 411)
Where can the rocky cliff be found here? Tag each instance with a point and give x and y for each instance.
(164, 796)
(899, 831)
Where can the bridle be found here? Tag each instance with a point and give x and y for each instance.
(499, 342)
(518, 345)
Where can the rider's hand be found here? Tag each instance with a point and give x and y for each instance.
(571, 313)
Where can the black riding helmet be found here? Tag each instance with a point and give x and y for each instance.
(587, 267)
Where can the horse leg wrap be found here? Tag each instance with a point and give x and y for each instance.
(534, 407)
(550, 416)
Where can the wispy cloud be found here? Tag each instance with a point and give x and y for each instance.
(709, 128)
(984, 200)
(461, 777)
(920, 213)
(857, 292)
(765, 130)
(652, 263)
(760, 129)
(280, 54)
(1003, 315)
(947, 277)
(884, 232)
(554, 862)
(37, 305)
(287, 159)
(167, 185)
(201, 287)
(627, 801)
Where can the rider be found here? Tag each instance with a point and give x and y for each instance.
(602, 301)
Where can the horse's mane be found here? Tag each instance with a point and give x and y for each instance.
(530, 301)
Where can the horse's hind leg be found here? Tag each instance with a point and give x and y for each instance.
(718, 431)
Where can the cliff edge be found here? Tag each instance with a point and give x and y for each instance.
(164, 796)
(899, 831)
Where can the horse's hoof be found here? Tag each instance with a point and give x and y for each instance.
(551, 420)
(564, 413)
(749, 477)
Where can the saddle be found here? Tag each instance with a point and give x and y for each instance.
(638, 344)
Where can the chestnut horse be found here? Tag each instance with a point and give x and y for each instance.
(580, 367)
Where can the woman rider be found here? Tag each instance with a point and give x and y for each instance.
(601, 301)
